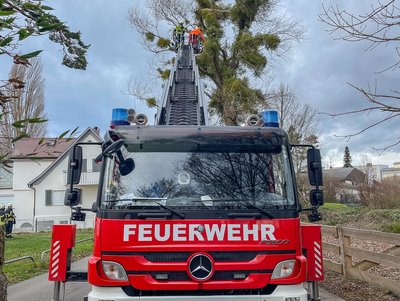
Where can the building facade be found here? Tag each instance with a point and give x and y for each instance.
(40, 181)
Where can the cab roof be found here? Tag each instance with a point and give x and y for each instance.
(203, 138)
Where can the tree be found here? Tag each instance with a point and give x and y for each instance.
(332, 187)
(382, 195)
(23, 19)
(3, 278)
(347, 157)
(20, 20)
(233, 174)
(165, 188)
(379, 26)
(298, 119)
(231, 61)
(27, 93)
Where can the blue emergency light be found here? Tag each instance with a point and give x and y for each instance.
(270, 118)
(119, 117)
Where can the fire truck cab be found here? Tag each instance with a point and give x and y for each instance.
(200, 213)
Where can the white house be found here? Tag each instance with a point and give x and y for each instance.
(392, 171)
(373, 172)
(346, 181)
(40, 180)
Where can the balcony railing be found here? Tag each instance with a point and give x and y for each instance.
(87, 178)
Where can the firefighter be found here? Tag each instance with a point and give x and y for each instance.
(179, 34)
(10, 220)
(2, 215)
(196, 39)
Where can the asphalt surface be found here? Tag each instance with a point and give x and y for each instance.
(40, 289)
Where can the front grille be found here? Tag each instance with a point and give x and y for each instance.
(218, 275)
(167, 256)
(184, 256)
(233, 256)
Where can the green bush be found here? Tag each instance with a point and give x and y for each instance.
(393, 227)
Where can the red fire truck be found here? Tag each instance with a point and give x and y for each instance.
(195, 212)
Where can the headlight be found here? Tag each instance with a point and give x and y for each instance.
(114, 271)
(283, 269)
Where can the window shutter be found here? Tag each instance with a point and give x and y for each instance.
(80, 199)
(84, 165)
(48, 197)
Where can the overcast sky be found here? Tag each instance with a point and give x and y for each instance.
(318, 70)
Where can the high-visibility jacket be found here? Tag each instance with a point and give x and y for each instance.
(179, 29)
(2, 217)
(198, 33)
(10, 216)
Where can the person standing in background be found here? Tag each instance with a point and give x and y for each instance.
(10, 220)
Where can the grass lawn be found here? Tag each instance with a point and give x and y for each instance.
(33, 244)
(387, 220)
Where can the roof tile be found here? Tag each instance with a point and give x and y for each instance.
(49, 148)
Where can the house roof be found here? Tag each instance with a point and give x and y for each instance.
(40, 177)
(338, 173)
(344, 173)
(43, 148)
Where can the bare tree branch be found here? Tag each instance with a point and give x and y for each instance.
(379, 26)
(26, 89)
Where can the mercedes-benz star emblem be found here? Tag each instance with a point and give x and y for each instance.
(201, 267)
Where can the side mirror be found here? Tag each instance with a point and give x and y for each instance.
(72, 198)
(126, 167)
(94, 207)
(113, 147)
(314, 167)
(74, 165)
(316, 198)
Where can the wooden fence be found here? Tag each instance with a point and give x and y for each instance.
(355, 262)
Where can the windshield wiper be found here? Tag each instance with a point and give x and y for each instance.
(261, 210)
(135, 199)
(266, 213)
(170, 210)
(154, 200)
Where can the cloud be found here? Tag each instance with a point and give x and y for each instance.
(318, 69)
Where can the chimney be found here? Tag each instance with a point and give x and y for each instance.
(97, 130)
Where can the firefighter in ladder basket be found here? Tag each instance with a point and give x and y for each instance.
(179, 35)
(196, 39)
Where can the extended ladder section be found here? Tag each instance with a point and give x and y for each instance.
(183, 100)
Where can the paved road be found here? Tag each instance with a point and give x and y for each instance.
(40, 289)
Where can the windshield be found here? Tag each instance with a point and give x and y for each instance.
(200, 180)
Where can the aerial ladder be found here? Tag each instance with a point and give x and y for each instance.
(183, 101)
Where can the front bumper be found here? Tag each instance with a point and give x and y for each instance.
(280, 294)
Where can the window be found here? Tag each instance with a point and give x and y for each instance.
(6, 178)
(96, 166)
(54, 197)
